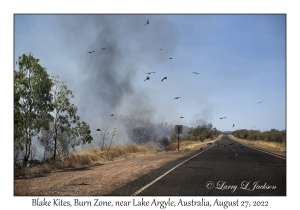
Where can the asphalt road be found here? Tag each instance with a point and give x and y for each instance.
(220, 170)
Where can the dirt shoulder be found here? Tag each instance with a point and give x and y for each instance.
(257, 145)
(102, 179)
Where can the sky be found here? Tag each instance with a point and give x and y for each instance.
(240, 58)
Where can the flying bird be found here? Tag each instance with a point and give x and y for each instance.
(170, 58)
(164, 78)
(112, 115)
(147, 22)
(233, 125)
(150, 72)
(160, 49)
(148, 78)
(177, 97)
(195, 72)
(98, 129)
(260, 102)
(103, 48)
(181, 117)
(90, 52)
(222, 117)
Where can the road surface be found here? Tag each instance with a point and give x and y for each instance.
(226, 168)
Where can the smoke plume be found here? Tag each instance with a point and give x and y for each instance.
(122, 46)
(203, 119)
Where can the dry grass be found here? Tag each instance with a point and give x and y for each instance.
(89, 157)
(188, 144)
(94, 156)
(265, 145)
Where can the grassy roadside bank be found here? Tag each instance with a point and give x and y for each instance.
(272, 147)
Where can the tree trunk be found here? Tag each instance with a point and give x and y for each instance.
(55, 145)
(27, 151)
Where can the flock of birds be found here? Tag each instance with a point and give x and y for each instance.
(164, 78)
(227, 144)
(148, 76)
(224, 144)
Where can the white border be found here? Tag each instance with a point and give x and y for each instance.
(8, 8)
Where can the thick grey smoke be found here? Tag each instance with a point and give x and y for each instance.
(203, 119)
(107, 77)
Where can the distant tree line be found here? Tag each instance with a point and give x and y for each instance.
(272, 135)
(43, 112)
(202, 132)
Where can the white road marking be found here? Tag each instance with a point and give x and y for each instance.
(155, 180)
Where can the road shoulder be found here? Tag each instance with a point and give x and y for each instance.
(252, 144)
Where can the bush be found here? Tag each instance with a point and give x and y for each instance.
(273, 135)
(164, 142)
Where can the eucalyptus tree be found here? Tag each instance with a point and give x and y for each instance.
(32, 102)
(66, 130)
